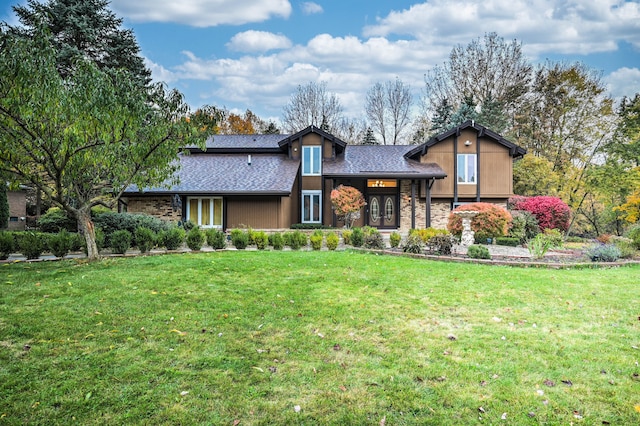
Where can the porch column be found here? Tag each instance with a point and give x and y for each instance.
(413, 203)
(428, 183)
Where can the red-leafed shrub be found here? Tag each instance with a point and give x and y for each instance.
(492, 221)
(551, 212)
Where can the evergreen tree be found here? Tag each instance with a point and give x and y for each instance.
(85, 29)
(271, 129)
(441, 121)
(369, 138)
(466, 111)
(492, 115)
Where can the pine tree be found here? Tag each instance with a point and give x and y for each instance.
(369, 138)
(84, 29)
(441, 121)
(466, 111)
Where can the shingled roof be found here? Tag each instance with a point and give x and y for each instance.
(380, 161)
(226, 174)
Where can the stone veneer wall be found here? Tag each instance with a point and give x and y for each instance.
(439, 210)
(159, 207)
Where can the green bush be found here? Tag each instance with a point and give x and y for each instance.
(195, 238)
(55, 220)
(478, 252)
(260, 239)
(604, 253)
(173, 238)
(298, 240)
(508, 241)
(373, 240)
(524, 226)
(539, 246)
(77, 241)
(316, 240)
(120, 241)
(113, 221)
(357, 237)
(7, 244)
(554, 236)
(625, 245)
(240, 239)
(309, 226)
(441, 244)
(413, 244)
(145, 239)
(427, 233)
(60, 244)
(31, 244)
(216, 239)
(332, 241)
(276, 240)
(346, 236)
(287, 237)
(394, 239)
(634, 235)
(188, 225)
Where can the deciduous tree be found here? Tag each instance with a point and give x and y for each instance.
(312, 104)
(347, 202)
(387, 107)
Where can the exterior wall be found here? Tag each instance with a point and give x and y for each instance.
(159, 207)
(405, 207)
(440, 214)
(17, 210)
(254, 212)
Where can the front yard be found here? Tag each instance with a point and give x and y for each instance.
(265, 337)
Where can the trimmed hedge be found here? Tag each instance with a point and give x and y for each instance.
(195, 238)
(7, 244)
(216, 239)
(478, 252)
(508, 241)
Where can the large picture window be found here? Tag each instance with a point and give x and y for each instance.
(205, 212)
(311, 160)
(311, 206)
(467, 168)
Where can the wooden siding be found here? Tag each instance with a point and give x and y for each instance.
(254, 212)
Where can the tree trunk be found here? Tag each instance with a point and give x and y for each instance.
(89, 231)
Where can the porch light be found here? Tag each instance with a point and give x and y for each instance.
(467, 143)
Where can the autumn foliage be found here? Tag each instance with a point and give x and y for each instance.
(347, 202)
(492, 220)
(551, 212)
(631, 209)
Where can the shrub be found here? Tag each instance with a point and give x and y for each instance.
(413, 244)
(100, 240)
(277, 241)
(195, 238)
(216, 239)
(347, 202)
(77, 241)
(346, 236)
(441, 244)
(316, 240)
(31, 244)
(625, 245)
(55, 220)
(260, 239)
(60, 244)
(524, 226)
(539, 246)
(7, 244)
(604, 238)
(427, 233)
(492, 221)
(309, 226)
(357, 237)
(113, 221)
(478, 252)
(551, 212)
(373, 240)
(604, 253)
(298, 240)
(394, 239)
(554, 236)
(173, 238)
(239, 238)
(145, 239)
(507, 241)
(634, 235)
(251, 240)
(120, 241)
(332, 241)
(188, 225)
(286, 238)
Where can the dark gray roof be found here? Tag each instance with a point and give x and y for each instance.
(231, 174)
(514, 150)
(380, 161)
(244, 141)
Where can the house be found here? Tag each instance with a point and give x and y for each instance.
(274, 181)
(17, 210)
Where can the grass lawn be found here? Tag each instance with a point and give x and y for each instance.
(316, 338)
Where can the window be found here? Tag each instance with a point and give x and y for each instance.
(467, 168)
(311, 160)
(205, 212)
(311, 206)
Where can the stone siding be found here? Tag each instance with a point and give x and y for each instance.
(440, 214)
(159, 207)
(439, 210)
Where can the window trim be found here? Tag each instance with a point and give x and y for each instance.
(466, 180)
(308, 152)
(212, 214)
(302, 209)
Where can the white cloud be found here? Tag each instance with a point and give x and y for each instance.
(160, 73)
(202, 13)
(258, 41)
(310, 8)
(623, 82)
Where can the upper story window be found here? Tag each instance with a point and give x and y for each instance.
(311, 160)
(467, 168)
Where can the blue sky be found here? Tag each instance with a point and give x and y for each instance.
(254, 53)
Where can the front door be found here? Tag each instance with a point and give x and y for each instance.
(382, 211)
